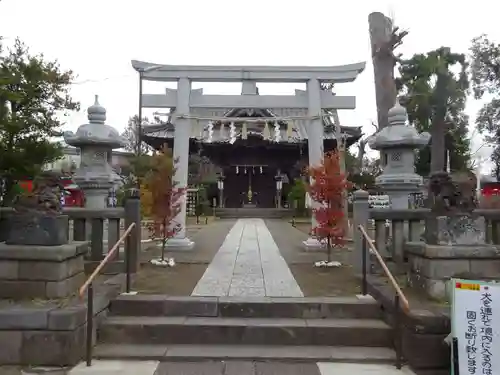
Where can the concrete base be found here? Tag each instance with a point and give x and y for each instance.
(312, 244)
(104, 367)
(366, 297)
(180, 244)
(46, 272)
(36, 334)
(432, 266)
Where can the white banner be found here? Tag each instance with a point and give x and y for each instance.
(475, 325)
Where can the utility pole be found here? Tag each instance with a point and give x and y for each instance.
(138, 136)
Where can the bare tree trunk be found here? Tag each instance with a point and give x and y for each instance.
(329, 249)
(381, 32)
(163, 239)
(439, 126)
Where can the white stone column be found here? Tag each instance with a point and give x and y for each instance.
(315, 143)
(181, 154)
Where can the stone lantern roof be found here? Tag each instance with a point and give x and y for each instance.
(96, 132)
(398, 134)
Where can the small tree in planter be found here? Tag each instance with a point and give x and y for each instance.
(327, 188)
(166, 201)
(202, 203)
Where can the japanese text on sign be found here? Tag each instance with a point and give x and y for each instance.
(475, 304)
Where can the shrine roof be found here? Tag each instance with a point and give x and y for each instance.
(161, 72)
(166, 129)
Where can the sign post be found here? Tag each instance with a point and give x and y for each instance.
(475, 328)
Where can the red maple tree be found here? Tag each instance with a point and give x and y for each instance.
(166, 198)
(327, 187)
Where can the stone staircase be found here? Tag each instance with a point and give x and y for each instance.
(143, 327)
(250, 212)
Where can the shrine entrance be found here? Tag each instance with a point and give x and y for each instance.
(250, 186)
(217, 119)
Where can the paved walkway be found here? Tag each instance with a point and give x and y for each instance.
(234, 368)
(248, 264)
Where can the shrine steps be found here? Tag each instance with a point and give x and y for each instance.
(248, 212)
(223, 328)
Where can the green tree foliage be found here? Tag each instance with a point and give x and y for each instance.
(434, 88)
(297, 197)
(34, 93)
(361, 173)
(485, 56)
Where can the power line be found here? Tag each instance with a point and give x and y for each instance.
(85, 81)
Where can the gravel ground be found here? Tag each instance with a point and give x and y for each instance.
(190, 265)
(314, 281)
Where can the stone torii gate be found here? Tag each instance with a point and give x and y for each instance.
(186, 101)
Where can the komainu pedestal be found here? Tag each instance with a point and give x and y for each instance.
(38, 230)
(36, 261)
(42, 272)
(432, 266)
(455, 239)
(37, 217)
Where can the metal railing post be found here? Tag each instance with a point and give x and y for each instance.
(90, 324)
(397, 332)
(128, 269)
(456, 363)
(364, 285)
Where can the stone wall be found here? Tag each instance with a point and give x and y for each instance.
(50, 333)
(431, 267)
(46, 272)
(423, 330)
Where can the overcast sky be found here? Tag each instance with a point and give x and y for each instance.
(98, 38)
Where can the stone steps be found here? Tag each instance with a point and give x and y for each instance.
(166, 328)
(246, 331)
(262, 213)
(246, 307)
(195, 353)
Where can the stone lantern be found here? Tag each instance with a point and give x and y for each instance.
(96, 140)
(397, 144)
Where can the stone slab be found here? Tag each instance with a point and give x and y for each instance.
(43, 253)
(240, 352)
(26, 289)
(48, 334)
(37, 229)
(249, 264)
(193, 368)
(453, 251)
(249, 331)
(116, 368)
(361, 369)
(246, 307)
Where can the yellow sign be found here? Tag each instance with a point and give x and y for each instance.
(466, 286)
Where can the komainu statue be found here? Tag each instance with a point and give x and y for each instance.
(37, 218)
(453, 202)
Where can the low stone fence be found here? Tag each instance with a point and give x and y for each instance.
(423, 330)
(101, 228)
(427, 269)
(42, 319)
(53, 332)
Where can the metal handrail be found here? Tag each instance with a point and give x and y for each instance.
(388, 273)
(87, 287)
(399, 298)
(106, 259)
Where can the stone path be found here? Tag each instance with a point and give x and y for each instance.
(234, 368)
(248, 264)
